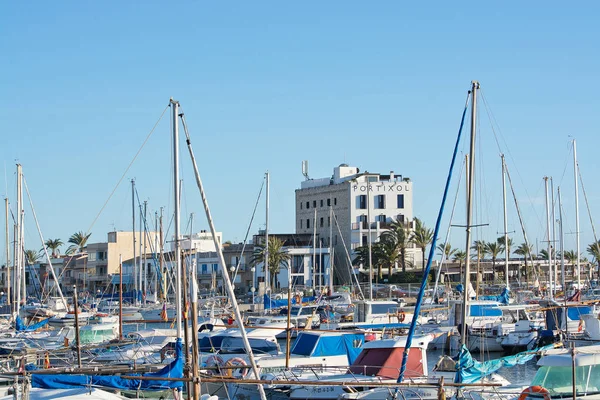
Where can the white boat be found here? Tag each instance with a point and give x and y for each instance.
(554, 378)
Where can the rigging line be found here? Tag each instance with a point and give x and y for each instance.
(248, 231)
(587, 204)
(567, 162)
(127, 169)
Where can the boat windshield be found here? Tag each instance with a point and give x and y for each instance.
(558, 380)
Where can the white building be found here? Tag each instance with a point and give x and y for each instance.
(361, 202)
(200, 242)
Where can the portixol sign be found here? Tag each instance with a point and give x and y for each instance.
(376, 187)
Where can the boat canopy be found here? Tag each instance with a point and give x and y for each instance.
(586, 355)
(273, 303)
(315, 344)
(64, 381)
(21, 327)
(485, 310)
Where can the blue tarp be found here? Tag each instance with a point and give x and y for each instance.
(173, 370)
(310, 344)
(21, 327)
(502, 298)
(575, 313)
(469, 370)
(271, 303)
(485, 310)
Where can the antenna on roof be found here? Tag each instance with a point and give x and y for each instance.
(305, 169)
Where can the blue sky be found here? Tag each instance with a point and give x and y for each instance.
(265, 85)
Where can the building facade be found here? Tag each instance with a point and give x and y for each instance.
(362, 203)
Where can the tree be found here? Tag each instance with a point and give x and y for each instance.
(422, 237)
(399, 233)
(277, 257)
(460, 257)
(388, 253)
(504, 246)
(78, 242)
(524, 250)
(446, 250)
(594, 251)
(493, 248)
(480, 249)
(54, 245)
(571, 257)
(31, 256)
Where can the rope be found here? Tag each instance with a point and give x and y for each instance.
(127, 170)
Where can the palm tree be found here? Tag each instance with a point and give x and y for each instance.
(78, 242)
(460, 256)
(571, 257)
(524, 250)
(422, 237)
(480, 249)
(277, 257)
(594, 250)
(399, 233)
(446, 250)
(387, 254)
(493, 248)
(31, 256)
(504, 246)
(54, 245)
(544, 254)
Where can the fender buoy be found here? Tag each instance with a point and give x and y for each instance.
(401, 316)
(238, 373)
(535, 389)
(213, 361)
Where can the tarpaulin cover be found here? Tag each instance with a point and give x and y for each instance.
(21, 327)
(384, 362)
(469, 370)
(310, 344)
(485, 310)
(173, 370)
(502, 298)
(575, 313)
(272, 303)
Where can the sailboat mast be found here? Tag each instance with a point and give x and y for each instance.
(266, 255)
(562, 241)
(575, 174)
(19, 248)
(506, 249)
(144, 266)
(134, 264)
(369, 240)
(330, 249)
(8, 272)
(553, 219)
(548, 234)
(471, 186)
(140, 269)
(314, 255)
(155, 256)
(177, 257)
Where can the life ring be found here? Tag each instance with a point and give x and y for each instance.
(212, 362)
(401, 316)
(298, 299)
(535, 389)
(237, 373)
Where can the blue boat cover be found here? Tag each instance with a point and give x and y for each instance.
(271, 303)
(485, 310)
(311, 344)
(502, 298)
(21, 327)
(469, 370)
(575, 313)
(173, 370)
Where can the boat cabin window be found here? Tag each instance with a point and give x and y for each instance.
(558, 380)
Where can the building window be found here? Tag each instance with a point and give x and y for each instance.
(363, 221)
(400, 201)
(362, 201)
(215, 267)
(380, 201)
(381, 218)
(301, 205)
(400, 218)
(205, 268)
(307, 205)
(314, 204)
(321, 202)
(307, 223)
(328, 221)
(335, 201)
(328, 202)
(300, 224)
(321, 222)
(364, 240)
